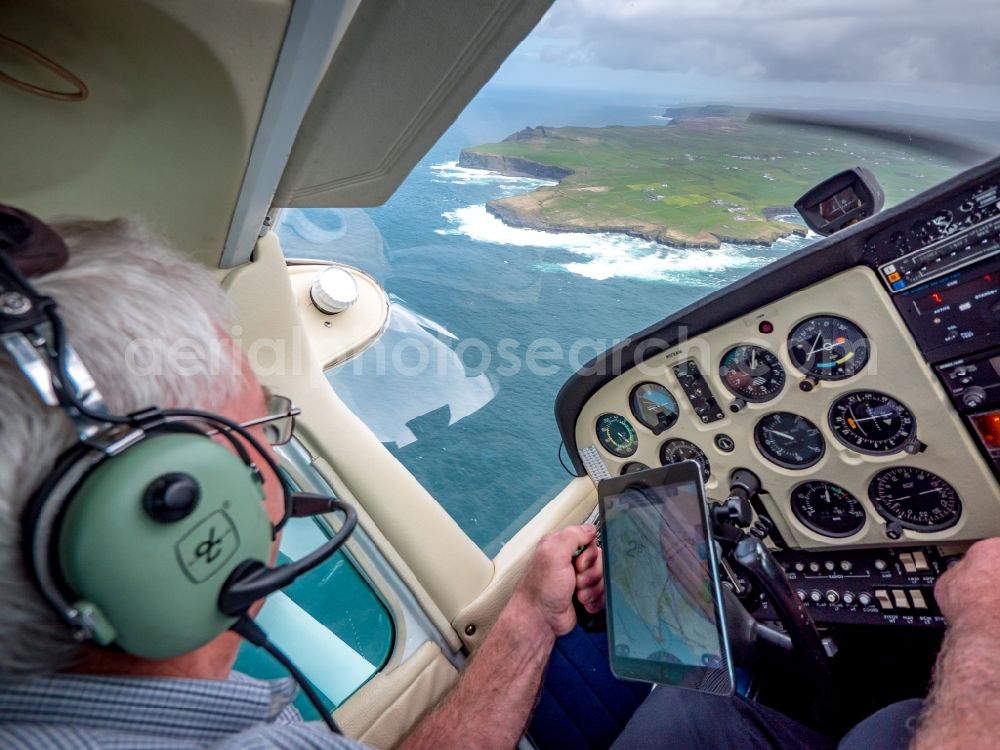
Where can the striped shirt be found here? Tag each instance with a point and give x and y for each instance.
(85, 712)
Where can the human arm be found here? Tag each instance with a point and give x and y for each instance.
(490, 706)
(963, 708)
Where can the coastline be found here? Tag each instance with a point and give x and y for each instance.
(517, 210)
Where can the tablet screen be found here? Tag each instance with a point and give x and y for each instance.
(663, 617)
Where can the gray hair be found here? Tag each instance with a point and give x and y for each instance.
(149, 325)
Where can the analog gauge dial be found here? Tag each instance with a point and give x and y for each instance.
(631, 467)
(617, 435)
(674, 451)
(828, 348)
(828, 509)
(752, 373)
(872, 422)
(654, 407)
(915, 498)
(789, 440)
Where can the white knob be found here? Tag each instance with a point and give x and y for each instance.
(334, 290)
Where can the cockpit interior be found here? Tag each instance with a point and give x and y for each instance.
(843, 400)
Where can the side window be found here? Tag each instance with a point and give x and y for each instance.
(460, 386)
(330, 622)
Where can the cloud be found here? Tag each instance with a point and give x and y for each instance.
(887, 41)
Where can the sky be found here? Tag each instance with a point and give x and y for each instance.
(913, 53)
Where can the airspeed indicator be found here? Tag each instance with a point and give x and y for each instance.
(616, 435)
(828, 347)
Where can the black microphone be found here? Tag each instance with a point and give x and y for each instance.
(253, 580)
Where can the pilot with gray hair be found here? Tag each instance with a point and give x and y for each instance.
(101, 437)
(141, 511)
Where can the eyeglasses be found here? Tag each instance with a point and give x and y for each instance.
(279, 423)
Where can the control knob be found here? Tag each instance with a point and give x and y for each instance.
(973, 397)
(333, 290)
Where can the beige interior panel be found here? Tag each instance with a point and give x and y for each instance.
(399, 566)
(409, 518)
(389, 705)
(896, 367)
(402, 74)
(337, 338)
(176, 90)
(570, 506)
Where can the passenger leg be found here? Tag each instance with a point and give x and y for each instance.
(891, 728)
(675, 719)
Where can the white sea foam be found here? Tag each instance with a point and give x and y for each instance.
(610, 255)
(449, 171)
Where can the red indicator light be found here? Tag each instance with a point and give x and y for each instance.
(765, 327)
(937, 298)
(988, 277)
(988, 427)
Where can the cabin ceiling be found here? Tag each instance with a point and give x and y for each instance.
(178, 88)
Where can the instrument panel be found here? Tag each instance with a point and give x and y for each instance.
(825, 396)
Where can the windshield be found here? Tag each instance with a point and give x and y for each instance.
(615, 170)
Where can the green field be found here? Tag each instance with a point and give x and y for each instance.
(694, 181)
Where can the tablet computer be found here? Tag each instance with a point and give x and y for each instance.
(665, 616)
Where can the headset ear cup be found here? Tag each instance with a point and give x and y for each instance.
(157, 583)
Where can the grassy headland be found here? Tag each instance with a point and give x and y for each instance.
(697, 181)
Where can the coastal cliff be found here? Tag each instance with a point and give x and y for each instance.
(520, 214)
(514, 166)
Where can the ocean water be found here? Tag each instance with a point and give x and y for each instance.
(488, 321)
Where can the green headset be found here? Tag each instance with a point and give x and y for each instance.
(148, 535)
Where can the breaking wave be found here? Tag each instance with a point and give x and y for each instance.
(450, 172)
(609, 255)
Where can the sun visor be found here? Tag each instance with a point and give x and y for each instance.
(402, 74)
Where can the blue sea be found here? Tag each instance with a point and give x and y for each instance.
(488, 321)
